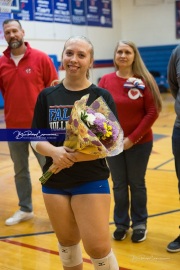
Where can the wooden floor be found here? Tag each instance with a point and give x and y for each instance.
(32, 245)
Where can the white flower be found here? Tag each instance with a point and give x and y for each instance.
(90, 119)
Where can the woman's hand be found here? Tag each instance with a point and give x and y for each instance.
(127, 143)
(62, 157)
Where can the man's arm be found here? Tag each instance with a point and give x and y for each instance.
(173, 66)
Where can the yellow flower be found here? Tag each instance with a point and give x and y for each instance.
(108, 131)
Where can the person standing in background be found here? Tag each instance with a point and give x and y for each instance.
(24, 72)
(174, 83)
(138, 103)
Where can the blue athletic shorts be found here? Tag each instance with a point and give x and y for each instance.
(94, 187)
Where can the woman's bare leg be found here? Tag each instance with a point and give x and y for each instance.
(63, 222)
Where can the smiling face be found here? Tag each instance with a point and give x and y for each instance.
(13, 34)
(124, 56)
(77, 57)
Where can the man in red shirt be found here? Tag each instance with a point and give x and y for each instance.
(24, 72)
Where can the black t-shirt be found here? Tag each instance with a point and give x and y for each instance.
(52, 110)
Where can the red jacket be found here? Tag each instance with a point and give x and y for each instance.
(136, 116)
(20, 85)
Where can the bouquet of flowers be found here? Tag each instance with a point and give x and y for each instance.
(91, 130)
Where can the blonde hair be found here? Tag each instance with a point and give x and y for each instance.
(140, 70)
(87, 41)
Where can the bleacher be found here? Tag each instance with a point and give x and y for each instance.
(156, 59)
